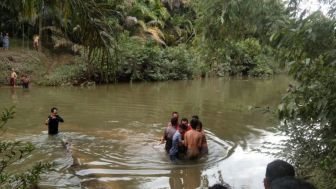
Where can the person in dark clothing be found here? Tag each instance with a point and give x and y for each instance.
(291, 183)
(25, 81)
(1, 39)
(220, 186)
(277, 169)
(52, 122)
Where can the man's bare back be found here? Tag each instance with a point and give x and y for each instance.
(193, 141)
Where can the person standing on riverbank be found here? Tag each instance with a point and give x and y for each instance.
(5, 41)
(1, 40)
(13, 77)
(53, 121)
(36, 42)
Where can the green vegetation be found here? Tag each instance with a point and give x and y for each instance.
(149, 40)
(24, 62)
(309, 108)
(12, 152)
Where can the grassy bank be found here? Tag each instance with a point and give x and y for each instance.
(31, 63)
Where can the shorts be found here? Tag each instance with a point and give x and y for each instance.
(12, 82)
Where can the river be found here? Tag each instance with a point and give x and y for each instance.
(114, 132)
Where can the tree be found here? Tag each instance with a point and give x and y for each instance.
(225, 29)
(309, 108)
(12, 152)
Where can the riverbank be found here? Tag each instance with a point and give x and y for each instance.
(31, 63)
(144, 64)
(42, 68)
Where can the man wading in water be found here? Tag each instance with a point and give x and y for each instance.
(52, 122)
(169, 133)
(193, 140)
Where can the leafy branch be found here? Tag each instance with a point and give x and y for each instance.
(12, 152)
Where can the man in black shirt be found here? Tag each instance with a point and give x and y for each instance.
(52, 122)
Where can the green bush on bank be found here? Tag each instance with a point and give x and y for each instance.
(245, 57)
(137, 61)
(150, 62)
(68, 74)
(24, 62)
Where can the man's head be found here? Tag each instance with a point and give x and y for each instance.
(219, 186)
(175, 114)
(183, 128)
(277, 169)
(174, 121)
(290, 183)
(195, 117)
(199, 126)
(194, 123)
(184, 121)
(53, 111)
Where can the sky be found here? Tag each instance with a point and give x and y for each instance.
(314, 5)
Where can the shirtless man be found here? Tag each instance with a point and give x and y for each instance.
(36, 39)
(13, 78)
(25, 81)
(204, 148)
(193, 140)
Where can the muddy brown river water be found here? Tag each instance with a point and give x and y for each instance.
(114, 132)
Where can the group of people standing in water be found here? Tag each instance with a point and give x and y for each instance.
(184, 140)
(24, 79)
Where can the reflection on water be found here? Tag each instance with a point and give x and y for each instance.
(114, 132)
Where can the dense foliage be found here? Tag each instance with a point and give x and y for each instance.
(12, 152)
(309, 107)
(110, 36)
(234, 35)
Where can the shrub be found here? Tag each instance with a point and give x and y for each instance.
(68, 74)
(153, 63)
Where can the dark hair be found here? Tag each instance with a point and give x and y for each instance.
(200, 124)
(184, 119)
(278, 169)
(219, 186)
(290, 183)
(183, 127)
(194, 122)
(195, 117)
(53, 109)
(174, 121)
(174, 113)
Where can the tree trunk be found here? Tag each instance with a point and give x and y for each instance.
(40, 28)
(23, 32)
